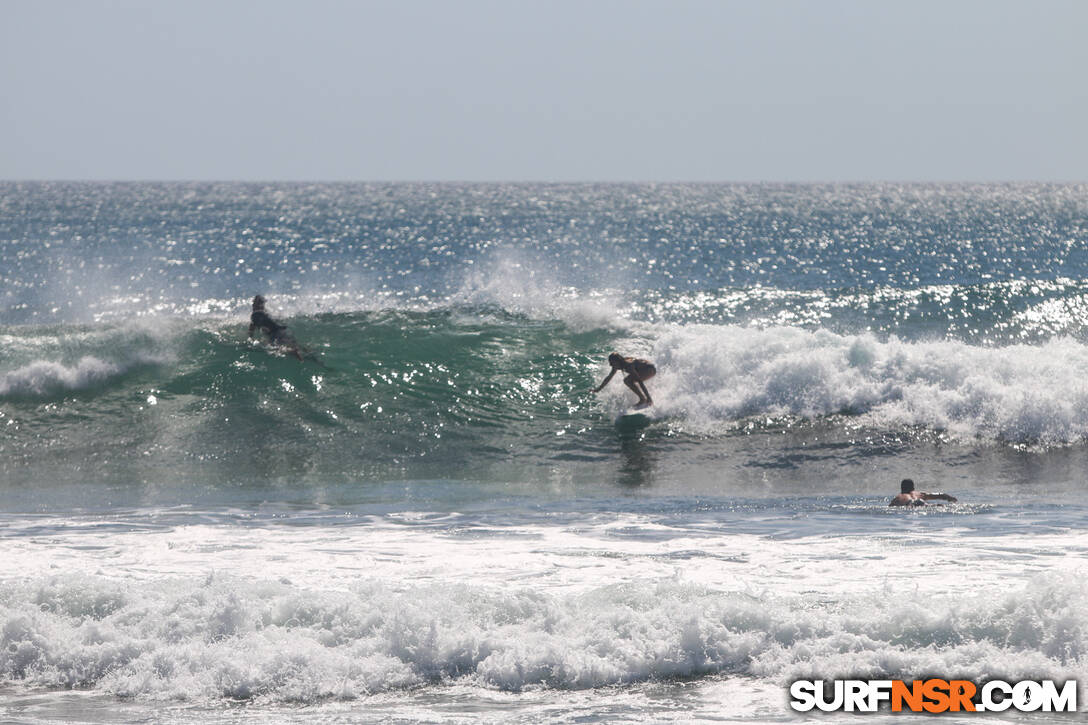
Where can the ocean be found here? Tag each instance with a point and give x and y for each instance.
(432, 519)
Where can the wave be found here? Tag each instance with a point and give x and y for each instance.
(404, 378)
(1032, 394)
(45, 377)
(270, 641)
(54, 360)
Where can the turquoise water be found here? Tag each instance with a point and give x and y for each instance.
(432, 518)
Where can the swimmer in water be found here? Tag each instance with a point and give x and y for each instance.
(909, 496)
(277, 334)
(637, 370)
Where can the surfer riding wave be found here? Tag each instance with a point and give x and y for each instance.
(638, 371)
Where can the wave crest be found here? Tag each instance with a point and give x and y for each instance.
(1019, 394)
(45, 377)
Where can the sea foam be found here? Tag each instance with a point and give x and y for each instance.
(712, 375)
(43, 377)
(270, 641)
(55, 359)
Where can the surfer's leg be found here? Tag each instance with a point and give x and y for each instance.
(629, 381)
(647, 372)
(289, 344)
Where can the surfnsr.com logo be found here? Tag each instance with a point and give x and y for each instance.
(933, 695)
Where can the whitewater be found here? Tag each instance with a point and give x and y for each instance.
(434, 520)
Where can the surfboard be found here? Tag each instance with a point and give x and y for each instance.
(633, 419)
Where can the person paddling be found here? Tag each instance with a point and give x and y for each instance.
(638, 371)
(910, 496)
(277, 333)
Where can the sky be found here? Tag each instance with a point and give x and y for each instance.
(528, 90)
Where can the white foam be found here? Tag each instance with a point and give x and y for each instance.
(713, 375)
(223, 637)
(54, 359)
(44, 376)
(285, 614)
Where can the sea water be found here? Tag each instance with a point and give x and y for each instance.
(432, 519)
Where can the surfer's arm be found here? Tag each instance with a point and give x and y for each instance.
(606, 380)
(939, 497)
(252, 327)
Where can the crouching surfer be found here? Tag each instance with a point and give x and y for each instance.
(638, 371)
(278, 334)
(910, 496)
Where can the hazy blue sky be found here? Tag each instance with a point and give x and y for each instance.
(791, 90)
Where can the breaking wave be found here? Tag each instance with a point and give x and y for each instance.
(270, 641)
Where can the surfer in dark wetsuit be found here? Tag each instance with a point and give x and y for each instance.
(637, 370)
(277, 333)
(910, 496)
